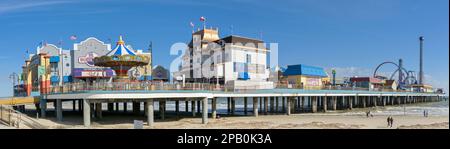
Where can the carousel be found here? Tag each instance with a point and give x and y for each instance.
(121, 59)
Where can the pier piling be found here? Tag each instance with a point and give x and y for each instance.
(150, 115)
(86, 113)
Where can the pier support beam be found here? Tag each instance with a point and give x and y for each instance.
(145, 108)
(193, 108)
(228, 105)
(334, 103)
(294, 104)
(117, 106)
(233, 106)
(350, 103)
(80, 105)
(325, 103)
(150, 114)
(255, 106)
(213, 108)
(43, 107)
(198, 106)
(177, 107)
(276, 104)
(136, 108)
(266, 105)
(74, 105)
(302, 104)
(289, 100)
(364, 102)
(162, 109)
(125, 107)
(86, 113)
(313, 104)
(98, 110)
(271, 104)
(245, 105)
(58, 110)
(205, 111)
(374, 100)
(283, 104)
(186, 106)
(110, 107)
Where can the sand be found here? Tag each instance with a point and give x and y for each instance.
(295, 121)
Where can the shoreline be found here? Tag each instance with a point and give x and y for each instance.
(294, 121)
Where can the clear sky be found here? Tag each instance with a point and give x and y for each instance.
(353, 36)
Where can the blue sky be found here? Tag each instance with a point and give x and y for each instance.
(353, 36)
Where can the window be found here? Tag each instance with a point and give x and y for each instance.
(249, 58)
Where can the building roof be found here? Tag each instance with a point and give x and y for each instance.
(121, 49)
(305, 70)
(365, 79)
(390, 82)
(239, 39)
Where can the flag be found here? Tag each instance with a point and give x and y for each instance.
(192, 24)
(202, 18)
(73, 37)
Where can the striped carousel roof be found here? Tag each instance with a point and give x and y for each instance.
(120, 49)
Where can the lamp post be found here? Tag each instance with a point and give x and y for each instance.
(61, 76)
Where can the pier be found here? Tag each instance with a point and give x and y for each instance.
(204, 102)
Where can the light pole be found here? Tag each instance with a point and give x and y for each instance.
(61, 76)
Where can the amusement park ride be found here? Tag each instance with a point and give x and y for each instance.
(406, 78)
(121, 59)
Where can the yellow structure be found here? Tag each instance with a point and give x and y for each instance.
(36, 74)
(19, 100)
(422, 88)
(306, 77)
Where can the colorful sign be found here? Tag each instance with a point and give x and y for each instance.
(312, 81)
(41, 70)
(88, 59)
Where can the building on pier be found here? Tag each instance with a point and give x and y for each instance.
(370, 83)
(234, 61)
(306, 77)
(54, 66)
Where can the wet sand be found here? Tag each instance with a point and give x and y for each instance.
(295, 121)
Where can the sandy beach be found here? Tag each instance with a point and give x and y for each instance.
(295, 121)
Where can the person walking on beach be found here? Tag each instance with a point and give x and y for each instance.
(424, 113)
(389, 121)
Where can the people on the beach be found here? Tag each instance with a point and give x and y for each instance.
(368, 113)
(390, 121)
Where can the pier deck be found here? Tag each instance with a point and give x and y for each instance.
(292, 101)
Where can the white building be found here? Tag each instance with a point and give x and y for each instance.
(238, 62)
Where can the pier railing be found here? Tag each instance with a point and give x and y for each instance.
(16, 119)
(153, 85)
